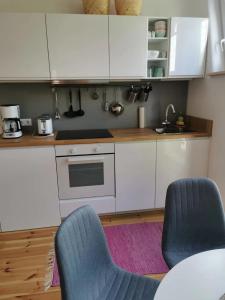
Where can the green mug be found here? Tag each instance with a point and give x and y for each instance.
(158, 72)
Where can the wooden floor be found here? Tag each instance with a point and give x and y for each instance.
(24, 259)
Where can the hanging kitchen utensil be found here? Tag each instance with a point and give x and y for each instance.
(57, 113)
(70, 113)
(145, 91)
(116, 108)
(79, 112)
(95, 95)
(133, 94)
(105, 102)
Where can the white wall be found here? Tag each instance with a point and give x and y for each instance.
(192, 8)
(207, 99)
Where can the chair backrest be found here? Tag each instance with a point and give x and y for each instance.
(194, 217)
(81, 252)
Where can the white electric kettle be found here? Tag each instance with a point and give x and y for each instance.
(45, 126)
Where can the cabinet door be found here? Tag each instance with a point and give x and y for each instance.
(188, 47)
(23, 51)
(28, 188)
(128, 47)
(135, 176)
(179, 159)
(78, 46)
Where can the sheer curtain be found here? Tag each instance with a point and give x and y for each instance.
(223, 16)
(216, 50)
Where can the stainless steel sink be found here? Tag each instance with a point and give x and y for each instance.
(173, 130)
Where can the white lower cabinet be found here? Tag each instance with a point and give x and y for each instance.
(135, 175)
(143, 170)
(101, 205)
(28, 188)
(177, 159)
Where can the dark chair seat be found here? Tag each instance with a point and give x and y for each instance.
(85, 265)
(194, 219)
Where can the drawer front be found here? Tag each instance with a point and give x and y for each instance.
(101, 205)
(84, 149)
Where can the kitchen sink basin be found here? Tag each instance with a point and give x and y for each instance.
(173, 130)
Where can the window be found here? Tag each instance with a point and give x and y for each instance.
(223, 15)
(216, 51)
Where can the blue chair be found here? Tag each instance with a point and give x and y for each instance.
(85, 266)
(194, 219)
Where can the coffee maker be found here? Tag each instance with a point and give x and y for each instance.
(10, 118)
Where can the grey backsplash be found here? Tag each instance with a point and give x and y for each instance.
(37, 98)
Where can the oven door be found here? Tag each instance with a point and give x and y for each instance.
(86, 176)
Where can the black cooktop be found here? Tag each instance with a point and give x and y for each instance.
(83, 134)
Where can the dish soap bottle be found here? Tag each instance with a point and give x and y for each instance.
(180, 122)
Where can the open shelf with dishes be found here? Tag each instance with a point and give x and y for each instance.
(157, 69)
(158, 48)
(157, 40)
(157, 59)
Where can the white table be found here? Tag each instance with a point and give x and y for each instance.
(199, 277)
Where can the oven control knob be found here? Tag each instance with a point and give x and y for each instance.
(73, 151)
(97, 149)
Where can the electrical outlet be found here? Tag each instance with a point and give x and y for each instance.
(26, 122)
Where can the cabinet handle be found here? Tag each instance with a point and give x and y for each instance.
(222, 43)
(81, 160)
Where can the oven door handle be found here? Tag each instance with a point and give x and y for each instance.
(81, 160)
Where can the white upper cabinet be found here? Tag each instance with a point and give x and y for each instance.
(135, 175)
(102, 47)
(23, 50)
(78, 46)
(188, 47)
(128, 43)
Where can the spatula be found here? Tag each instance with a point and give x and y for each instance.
(70, 113)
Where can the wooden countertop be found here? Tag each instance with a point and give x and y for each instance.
(119, 135)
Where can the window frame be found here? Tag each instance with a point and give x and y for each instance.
(220, 12)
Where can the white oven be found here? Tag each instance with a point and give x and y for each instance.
(85, 171)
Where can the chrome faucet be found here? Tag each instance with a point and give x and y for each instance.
(170, 106)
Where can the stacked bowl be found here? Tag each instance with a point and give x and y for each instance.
(160, 28)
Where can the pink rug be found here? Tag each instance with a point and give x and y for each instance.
(134, 247)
